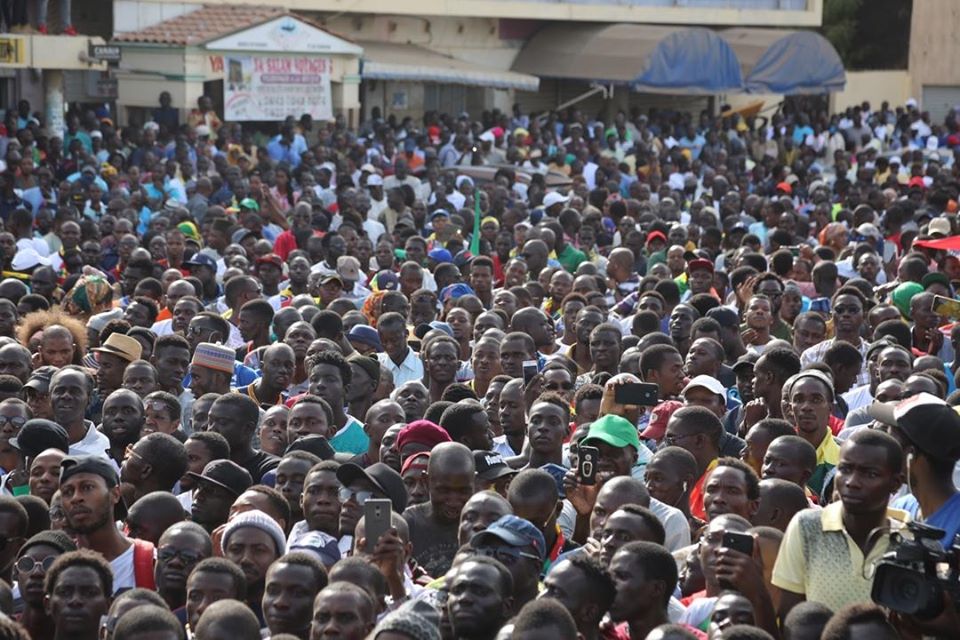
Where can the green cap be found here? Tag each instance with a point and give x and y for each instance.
(613, 430)
(902, 294)
(249, 203)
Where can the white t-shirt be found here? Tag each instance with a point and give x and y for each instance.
(122, 566)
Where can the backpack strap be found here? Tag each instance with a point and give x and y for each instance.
(143, 553)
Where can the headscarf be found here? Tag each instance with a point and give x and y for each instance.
(829, 231)
(90, 295)
(371, 307)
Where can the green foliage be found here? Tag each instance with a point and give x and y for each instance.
(869, 34)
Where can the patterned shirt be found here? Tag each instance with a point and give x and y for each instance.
(820, 560)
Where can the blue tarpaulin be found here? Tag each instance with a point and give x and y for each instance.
(799, 62)
(691, 61)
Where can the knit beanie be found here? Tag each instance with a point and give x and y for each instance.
(257, 520)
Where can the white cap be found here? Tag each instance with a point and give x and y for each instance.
(554, 197)
(151, 125)
(895, 160)
(937, 225)
(374, 180)
(912, 103)
(202, 130)
(868, 230)
(28, 258)
(461, 179)
(706, 382)
(487, 136)
(369, 168)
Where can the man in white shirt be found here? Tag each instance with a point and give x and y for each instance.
(402, 361)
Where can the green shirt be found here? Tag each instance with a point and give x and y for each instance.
(570, 258)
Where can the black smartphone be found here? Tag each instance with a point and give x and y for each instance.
(742, 542)
(530, 369)
(376, 520)
(642, 394)
(587, 458)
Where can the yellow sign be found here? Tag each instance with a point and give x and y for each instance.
(12, 50)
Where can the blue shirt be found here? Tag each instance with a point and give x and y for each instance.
(947, 517)
(290, 153)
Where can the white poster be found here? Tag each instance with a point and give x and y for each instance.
(274, 87)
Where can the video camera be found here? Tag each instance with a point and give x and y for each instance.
(907, 579)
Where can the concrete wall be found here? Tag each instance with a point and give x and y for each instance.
(874, 87)
(934, 48)
(782, 13)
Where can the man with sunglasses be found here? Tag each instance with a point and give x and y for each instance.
(520, 547)
(357, 485)
(34, 559)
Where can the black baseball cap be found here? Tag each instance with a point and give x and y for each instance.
(40, 379)
(491, 466)
(379, 475)
(225, 474)
(929, 423)
(73, 465)
(316, 444)
(38, 435)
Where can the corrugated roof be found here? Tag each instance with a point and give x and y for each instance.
(205, 24)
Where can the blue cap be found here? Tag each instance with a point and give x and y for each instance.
(321, 545)
(440, 212)
(462, 258)
(442, 326)
(557, 472)
(201, 260)
(457, 290)
(365, 335)
(513, 531)
(440, 255)
(385, 281)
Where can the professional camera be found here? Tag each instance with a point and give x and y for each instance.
(908, 579)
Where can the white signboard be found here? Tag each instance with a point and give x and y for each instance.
(286, 34)
(274, 87)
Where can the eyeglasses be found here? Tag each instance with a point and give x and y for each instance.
(506, 555)
(26, 564)
(16, 421)
(360, 497)
(168, 553)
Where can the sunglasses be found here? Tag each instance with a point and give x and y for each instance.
(359, 496)
(26, 564)
(166, 554)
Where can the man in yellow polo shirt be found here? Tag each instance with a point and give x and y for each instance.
(811, 397)
(828, 555)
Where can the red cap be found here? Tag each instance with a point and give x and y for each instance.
(653, 235)
(270, 258)
(699, 263)
(422, 432)
(916, 181)
(416, 461)
(657, 427)
(786, 187)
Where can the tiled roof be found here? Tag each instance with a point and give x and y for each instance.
(205, 24)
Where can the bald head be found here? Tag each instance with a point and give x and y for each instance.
(780, 500)
(626, 490)
(621, 256)
(450, 457)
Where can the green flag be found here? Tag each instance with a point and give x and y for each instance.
(475, 240)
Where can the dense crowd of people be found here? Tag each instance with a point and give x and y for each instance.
(663, 376)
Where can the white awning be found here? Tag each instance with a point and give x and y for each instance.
(391, 61)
